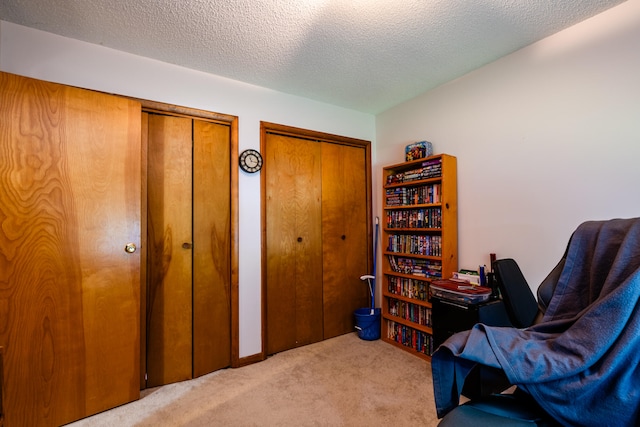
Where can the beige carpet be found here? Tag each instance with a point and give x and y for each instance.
(344, 381)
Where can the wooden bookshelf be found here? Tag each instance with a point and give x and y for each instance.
(420, 244)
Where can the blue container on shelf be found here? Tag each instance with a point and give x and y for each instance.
(367, 324)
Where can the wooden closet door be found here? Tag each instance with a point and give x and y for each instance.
(345, 251)
(69, 293)
(293, 242)
(212, 247)
(169, 256)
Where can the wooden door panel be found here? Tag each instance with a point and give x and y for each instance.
(212, 247)
(293, 242)
(344, 236)
(107, 195)
(357, 248)
(308, 245)
(144, 131)
(280, 242)
(169, 227)
(69, 293)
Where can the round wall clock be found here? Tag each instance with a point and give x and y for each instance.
(250, 161)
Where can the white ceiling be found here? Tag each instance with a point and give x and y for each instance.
(366, 55)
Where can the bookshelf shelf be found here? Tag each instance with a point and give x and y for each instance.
(420, 244)
(413, 183)
(400, 320)
(417, 256)
(405, 275)
(423, 205)
(401, 297)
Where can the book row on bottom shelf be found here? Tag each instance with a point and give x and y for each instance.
(419, 341)
(416, 313)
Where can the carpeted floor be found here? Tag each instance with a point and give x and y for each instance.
(344, 381)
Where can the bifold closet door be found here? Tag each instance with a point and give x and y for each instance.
(211, 247)
(69, 292)
(169, 255)
(344, 235)
(189, 257)
(294, 242)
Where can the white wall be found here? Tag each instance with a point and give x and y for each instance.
(546, 138)
(45, 56)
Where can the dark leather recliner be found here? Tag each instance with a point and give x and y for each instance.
(516, 408)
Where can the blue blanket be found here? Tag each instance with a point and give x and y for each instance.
(582, 362)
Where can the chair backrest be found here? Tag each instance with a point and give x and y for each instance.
(521, 305)
(548, 286)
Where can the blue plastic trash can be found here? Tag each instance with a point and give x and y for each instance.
(367, 324)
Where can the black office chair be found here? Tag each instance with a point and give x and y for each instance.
(517, 408)
(519, 302)
(522, 308)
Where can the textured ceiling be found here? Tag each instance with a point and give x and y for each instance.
(366, 55)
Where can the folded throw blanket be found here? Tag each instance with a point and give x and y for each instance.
(582, 362)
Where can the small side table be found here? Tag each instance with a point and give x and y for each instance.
(449, 317)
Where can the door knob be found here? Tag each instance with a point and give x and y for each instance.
(130, 248)
(187, 245)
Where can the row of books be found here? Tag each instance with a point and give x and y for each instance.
(416, 266)
(421, 195)
(415, 218)
(413, 312)
(418, 340)
(415, 244)
(427, 169)
(410, 288)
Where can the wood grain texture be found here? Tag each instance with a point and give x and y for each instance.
(293, 242)
(449, 215)
(345, 252)
(1, 386)
(169, 265)
(69, 293)
(212, 247)
(231, 122)
(343, 167)
(144, 142)
(308, 245)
